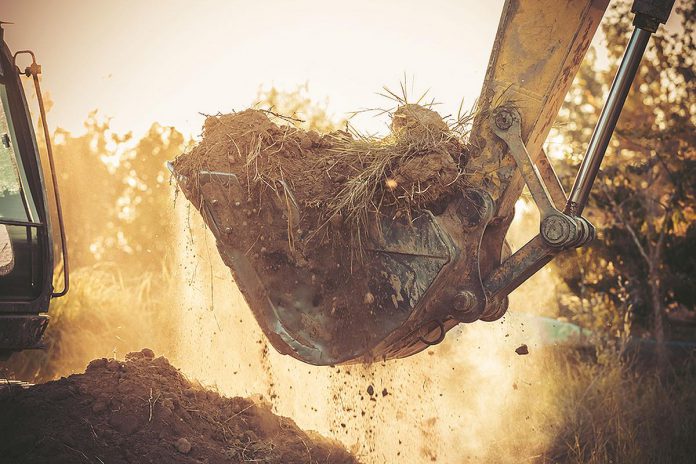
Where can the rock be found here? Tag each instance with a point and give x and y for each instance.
(183, 446)
(147, 353)
(522, 350)
(370, 390)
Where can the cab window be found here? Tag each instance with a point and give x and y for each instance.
(20, 231)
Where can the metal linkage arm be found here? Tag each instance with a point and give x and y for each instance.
(507, 125)
(558, 230)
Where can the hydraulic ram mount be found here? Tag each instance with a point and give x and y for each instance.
(561, 230)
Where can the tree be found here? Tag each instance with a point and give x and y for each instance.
(297, 104)
(145, 204)
(643, 203)
(117, 201)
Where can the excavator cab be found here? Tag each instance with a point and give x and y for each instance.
(26, 240)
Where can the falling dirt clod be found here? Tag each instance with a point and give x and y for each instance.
(145, 410)
(522, 349)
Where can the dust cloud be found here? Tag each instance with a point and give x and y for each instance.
(470, 399)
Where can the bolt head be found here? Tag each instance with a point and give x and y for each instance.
(503, 119)
(558, 230)
(464, 301)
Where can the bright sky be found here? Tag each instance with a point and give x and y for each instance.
(167, 60)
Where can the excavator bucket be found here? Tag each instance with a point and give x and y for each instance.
(382, 315)
(417, 276)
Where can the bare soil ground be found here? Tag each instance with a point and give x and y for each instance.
(143, 410)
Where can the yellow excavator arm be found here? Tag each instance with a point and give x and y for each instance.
(519, 92)
(537, 52)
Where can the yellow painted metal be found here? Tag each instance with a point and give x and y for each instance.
(537, 53)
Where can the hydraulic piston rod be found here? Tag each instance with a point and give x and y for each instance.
(607, 122)
(649, 14)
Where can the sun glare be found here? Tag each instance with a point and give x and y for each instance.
(212, 56)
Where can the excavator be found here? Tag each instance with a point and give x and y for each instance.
(26, 232)
(448, 267)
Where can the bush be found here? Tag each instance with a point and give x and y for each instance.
(613, 411)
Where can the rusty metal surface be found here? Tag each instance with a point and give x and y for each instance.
(537, 52)
(405, 258)
(506, 122)
(553, 184)
(440, 309)
(519, 267)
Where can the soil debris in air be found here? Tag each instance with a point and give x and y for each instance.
(522, 349)
(144, 410)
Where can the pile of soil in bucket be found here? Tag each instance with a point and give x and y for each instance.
(306, 208)
(143, 410)
(341, 181)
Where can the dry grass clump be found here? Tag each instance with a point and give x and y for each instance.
(344, 179)
(614, 411)
(418, 164)
(106, 313)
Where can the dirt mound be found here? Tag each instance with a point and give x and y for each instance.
(144, 411)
